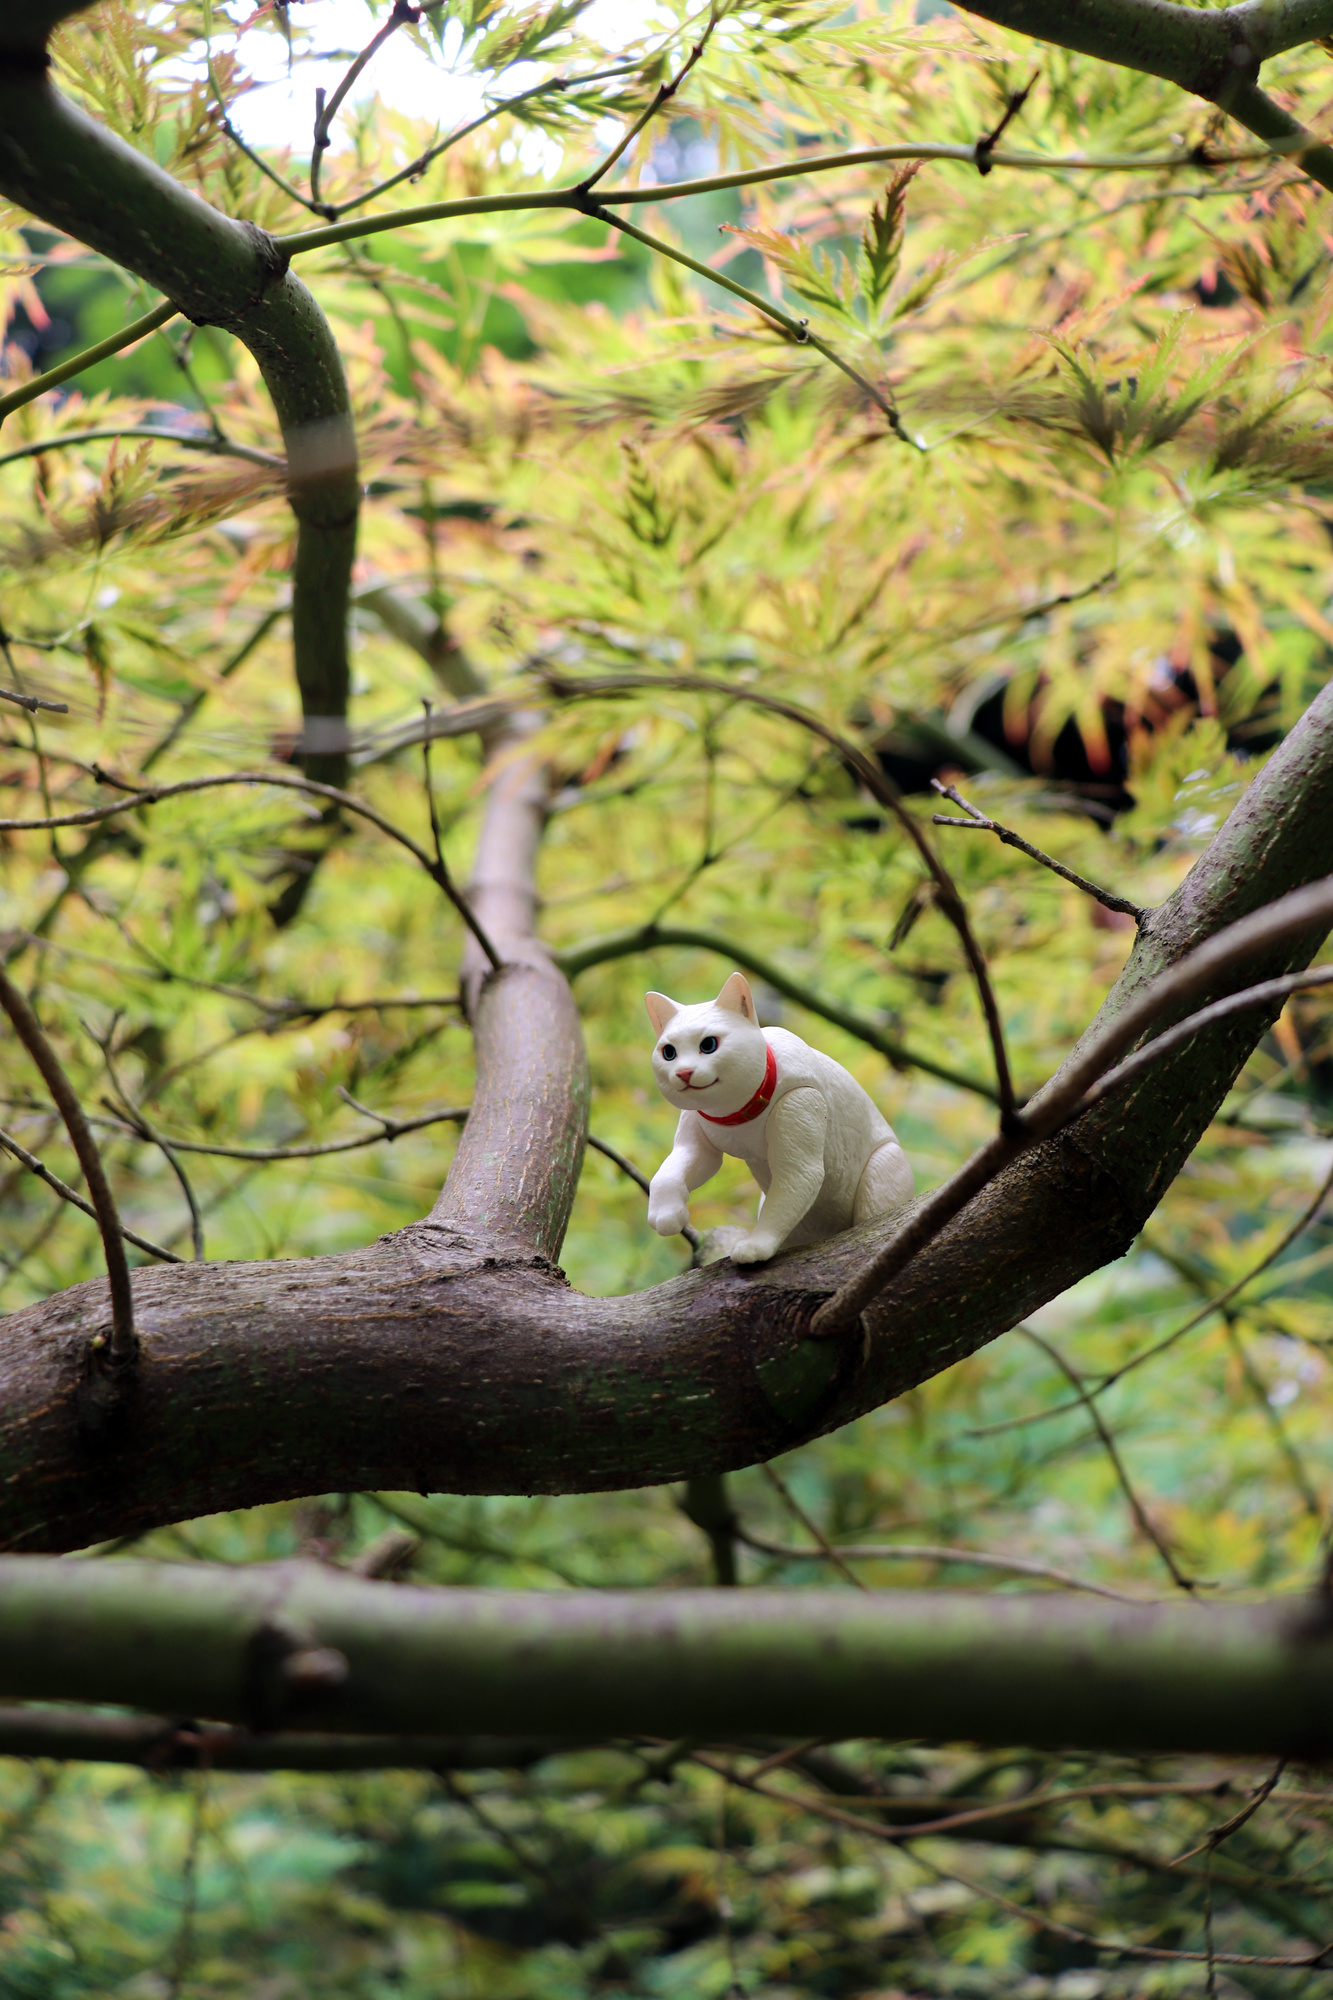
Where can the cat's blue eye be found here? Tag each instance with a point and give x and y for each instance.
(707, 1045)
(668, 1052)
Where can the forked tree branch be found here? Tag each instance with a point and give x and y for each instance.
(67, 171)
(452, 1357)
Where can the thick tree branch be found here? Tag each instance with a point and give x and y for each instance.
(1213, 52)
(514, 1175)
(300, 1646)
(68, 172)
(445, 1358)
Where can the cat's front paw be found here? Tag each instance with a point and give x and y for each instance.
(756, 1248)
(668, 1209)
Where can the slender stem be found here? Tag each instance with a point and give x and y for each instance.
(798, 329)
(663, 94)
(811, 1526)
(392, 1128)
(418, 166)
(578, 958)
(256, 159)
(881, 788)
(211, 442)
(69, 1194)
(576, 197)
(402, 12)
(1071, 1091)
(977, 818)
(137, 329)
(1109, 1446)
(921, 1552)
(31, 702)
(29, 1030)
(129, 1110)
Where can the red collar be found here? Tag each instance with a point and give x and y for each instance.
(759, 1102)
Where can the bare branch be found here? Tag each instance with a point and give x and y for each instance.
(977, 818)
(341, 1653)
(33, 703)
(1237, 1820)
(1292, 917)
(67, 1193)
(391, 1128)
(159, 1744)
(138, 329)
(627, 1167)
(877, 783)
(924, 1552)
(124, 1345)
(1109, 1446)
(664, 93)
(215, 444)
(812, 1528)
(577, 958)
(401, 13)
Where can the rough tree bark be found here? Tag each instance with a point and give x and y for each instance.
(453, 1356)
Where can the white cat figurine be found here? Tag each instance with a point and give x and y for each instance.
(820, 1150)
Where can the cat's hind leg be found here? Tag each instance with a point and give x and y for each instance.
(887, 1183)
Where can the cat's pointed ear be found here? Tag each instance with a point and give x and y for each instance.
(661, 1009)
(738, 999)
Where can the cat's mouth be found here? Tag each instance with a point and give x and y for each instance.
(700, 1086)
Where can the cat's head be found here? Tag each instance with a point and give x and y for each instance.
(712, 1057)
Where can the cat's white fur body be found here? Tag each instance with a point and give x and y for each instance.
(819, 1148)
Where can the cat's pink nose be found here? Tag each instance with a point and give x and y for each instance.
(684, 1074)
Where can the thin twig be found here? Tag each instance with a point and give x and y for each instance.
(135, 1117)
(33, 702)
(924, 1552)
(1085, 1077)
(215, 443)
(392, 1128)
(1233, 1825)
(797, 329)
(985, 146)
(691, 1235)
(402, 13)
(975, 818)
(67, 1193)
(1136, 1507)
(877, 783)
(1311, 1961)
(574, 197)
(1204, 1312)
(137, 329)
(665, 92)
(496, 109)
(30, 1032)
(811, 1527)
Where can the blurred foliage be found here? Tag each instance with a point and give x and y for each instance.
(1112, 536)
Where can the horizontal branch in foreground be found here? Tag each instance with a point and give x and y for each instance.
(159, 1743)
(299, 1645)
